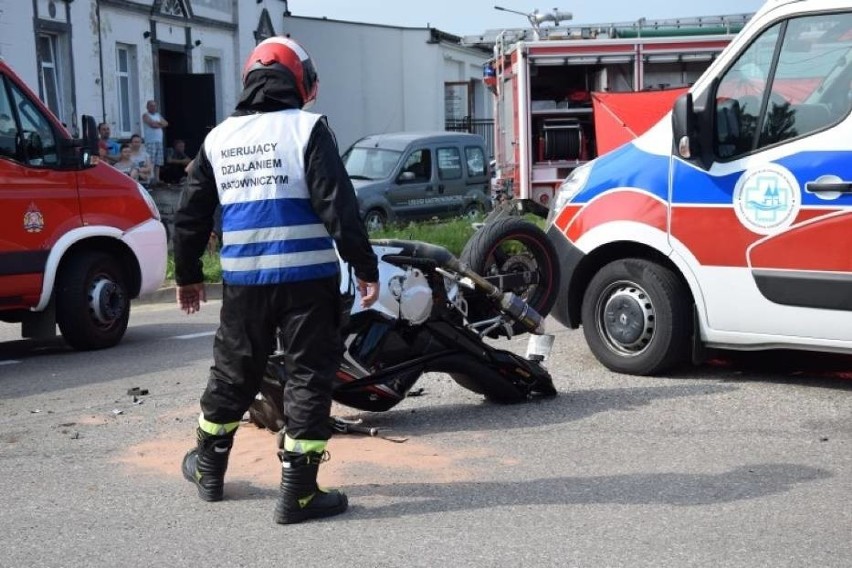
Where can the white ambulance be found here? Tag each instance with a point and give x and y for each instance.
(728, 224)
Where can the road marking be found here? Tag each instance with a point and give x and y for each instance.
(9, 362)
(194, 335)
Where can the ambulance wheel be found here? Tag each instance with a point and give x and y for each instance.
(92, 304)
(375, 220)
(518, 249)
(637, 317)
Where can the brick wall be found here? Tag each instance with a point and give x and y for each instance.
(167, 197)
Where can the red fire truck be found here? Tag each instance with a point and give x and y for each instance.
(564, 95)
(78, 238)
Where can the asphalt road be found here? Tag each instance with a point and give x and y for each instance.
(731, 464)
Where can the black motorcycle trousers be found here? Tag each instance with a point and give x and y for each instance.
(308, 314)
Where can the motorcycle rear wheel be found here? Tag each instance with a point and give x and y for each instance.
(512, 246)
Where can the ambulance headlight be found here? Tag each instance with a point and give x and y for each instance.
(573, 184)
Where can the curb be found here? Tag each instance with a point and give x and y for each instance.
(166, 294)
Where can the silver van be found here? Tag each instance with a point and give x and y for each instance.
(418, 175)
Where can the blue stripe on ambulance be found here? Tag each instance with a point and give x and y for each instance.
(619, 169)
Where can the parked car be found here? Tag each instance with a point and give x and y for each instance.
(405, 176)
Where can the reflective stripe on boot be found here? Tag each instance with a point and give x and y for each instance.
(206, 464)
(299, 497)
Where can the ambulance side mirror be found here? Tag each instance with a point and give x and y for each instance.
(691, 128)
(684, 133)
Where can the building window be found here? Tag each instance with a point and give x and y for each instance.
(49, 71)
(172, 8)
(127, 90)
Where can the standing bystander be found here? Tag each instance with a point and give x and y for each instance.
(153, 124)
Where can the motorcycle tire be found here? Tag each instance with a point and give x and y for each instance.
(512, 245)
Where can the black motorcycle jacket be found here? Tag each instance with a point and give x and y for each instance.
(331, 193)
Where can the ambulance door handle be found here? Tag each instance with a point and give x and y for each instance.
(817, 187)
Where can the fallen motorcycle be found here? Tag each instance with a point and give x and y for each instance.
(433, 314)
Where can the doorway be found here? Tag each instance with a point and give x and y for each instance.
(187, 100)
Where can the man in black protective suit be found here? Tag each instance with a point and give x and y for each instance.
(286, 202)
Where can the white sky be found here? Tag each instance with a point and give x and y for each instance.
(471, 17)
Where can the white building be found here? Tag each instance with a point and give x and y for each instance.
(108, 57)
(385, 79)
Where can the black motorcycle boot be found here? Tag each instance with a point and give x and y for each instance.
(205, 465)
(299, 497)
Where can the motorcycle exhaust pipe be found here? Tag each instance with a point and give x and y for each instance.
(523, 313)
(516, 307)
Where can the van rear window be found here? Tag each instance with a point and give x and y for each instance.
(475, 161)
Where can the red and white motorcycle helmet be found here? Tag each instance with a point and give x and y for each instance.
(283, 53)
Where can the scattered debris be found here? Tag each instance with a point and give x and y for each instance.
(117, 411)
(345, 426)
(137, 391)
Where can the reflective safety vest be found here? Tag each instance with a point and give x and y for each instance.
(270, 232)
